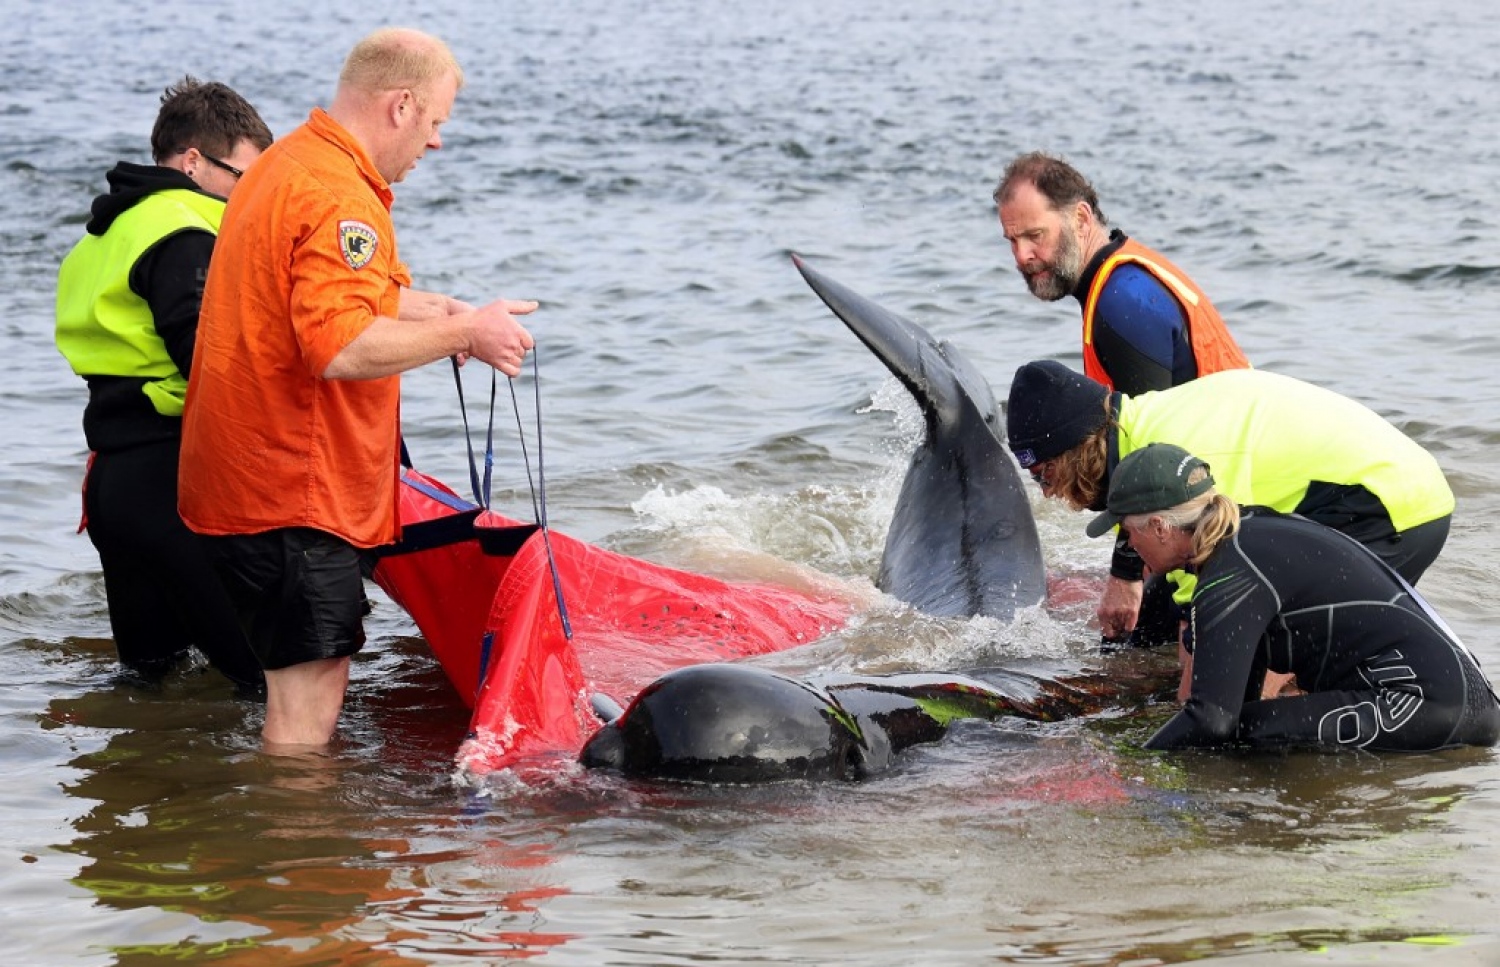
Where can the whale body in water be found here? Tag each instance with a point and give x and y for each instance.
(731, 723)
(962, 542)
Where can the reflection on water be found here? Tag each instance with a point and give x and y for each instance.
(282, 853)
(371, 852)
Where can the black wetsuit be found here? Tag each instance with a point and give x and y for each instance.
(1380, 669)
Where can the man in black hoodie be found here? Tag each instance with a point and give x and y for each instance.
(127, 318)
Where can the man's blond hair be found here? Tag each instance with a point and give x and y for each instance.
(393, 58)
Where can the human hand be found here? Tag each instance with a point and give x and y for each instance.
(497, 338)
(1119, 607)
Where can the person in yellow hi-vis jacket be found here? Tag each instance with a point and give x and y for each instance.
(128, 296)
(1272, 440)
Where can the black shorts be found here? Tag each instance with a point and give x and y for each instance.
(299, 592)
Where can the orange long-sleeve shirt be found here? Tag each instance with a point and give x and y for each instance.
(305, 261)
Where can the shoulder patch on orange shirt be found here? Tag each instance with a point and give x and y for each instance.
(358, 242)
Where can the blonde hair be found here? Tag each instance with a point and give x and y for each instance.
(398, 57)
(1077, 476)
(1210, 517)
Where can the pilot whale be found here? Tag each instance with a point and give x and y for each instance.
(962, 540)
(735, 723)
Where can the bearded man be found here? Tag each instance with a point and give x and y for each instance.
(1146, 325)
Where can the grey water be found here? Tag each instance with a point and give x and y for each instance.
(1324, 170)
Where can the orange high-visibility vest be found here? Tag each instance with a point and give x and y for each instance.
(1214, 349)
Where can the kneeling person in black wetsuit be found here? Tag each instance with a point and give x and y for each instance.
(1375, 666)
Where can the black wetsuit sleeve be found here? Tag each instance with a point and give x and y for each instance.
(170, 277)
(1232, 608)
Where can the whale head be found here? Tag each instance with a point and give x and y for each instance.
(725, 723)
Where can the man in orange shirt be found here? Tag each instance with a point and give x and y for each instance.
(291, 427)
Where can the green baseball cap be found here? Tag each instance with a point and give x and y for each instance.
(1152, 478)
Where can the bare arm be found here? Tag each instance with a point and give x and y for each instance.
(430, 327)
(418, 304)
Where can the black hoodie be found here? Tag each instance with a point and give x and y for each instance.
(169, 276)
